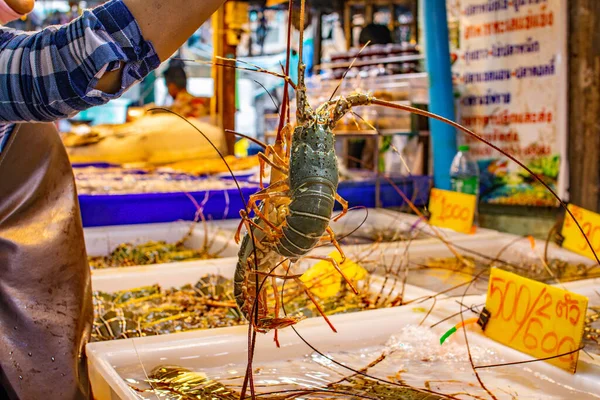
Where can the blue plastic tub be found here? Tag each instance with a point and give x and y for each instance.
(415, 188)
(103, 210)
(94, 165)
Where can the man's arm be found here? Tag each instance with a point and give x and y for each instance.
(21, 6)
(60, 71)
(167, 24)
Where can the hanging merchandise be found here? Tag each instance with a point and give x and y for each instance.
(512, 84)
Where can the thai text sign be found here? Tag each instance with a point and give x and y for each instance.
(538, 319)
(511, 76)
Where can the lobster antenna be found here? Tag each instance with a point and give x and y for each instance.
(251, 333)
(256, 68)
(249, 378)
(301, 41)
(209, 142)
(339, 85)
(270, 95)
(287, 116)
(152, 387)
(286, 94)
(241, 196)
(493, 146)
(253, 140)
(462, 320)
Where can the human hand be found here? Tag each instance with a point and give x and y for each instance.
(21, 6)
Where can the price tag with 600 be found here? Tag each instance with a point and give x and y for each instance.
(537, 319)
(452, 210)
(574, 240)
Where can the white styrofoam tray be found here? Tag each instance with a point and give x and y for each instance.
(101, 241)
(183, 273)
(518, 250)
(227, 348)
(365, 221)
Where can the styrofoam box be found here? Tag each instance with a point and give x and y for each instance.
(183, 273)
(505, 247)
(363, 221)
(228, 347)
(101, 241)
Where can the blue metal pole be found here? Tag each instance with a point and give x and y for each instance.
(441, 98)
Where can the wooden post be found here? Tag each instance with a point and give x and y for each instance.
(224, 79)
(318, 38)
(347, 26)
(584, 103)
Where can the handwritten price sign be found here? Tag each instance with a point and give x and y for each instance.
(324, 281)
(537, 319)
(452, 210)
(574, 240)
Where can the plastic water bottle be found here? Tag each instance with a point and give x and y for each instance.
(464, 173)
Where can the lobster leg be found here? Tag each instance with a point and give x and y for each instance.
(262, 216)
(263, 159)
(316, 303)
(257, 197)
(288, 140)
(269, 192)
(246, 221)
(344, 204)
(337, 268)
(335, 243)
(277, 306)
(276, 156)
(277, 160)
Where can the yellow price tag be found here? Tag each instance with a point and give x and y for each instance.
(574, 240)
(452, 210)
(537, 319)
(324, 281)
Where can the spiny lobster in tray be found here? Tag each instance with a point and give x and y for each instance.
(292, 215)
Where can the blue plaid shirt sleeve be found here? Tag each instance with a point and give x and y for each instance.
(52, 74)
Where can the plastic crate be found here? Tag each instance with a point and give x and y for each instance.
(416, 188)
(129, 209)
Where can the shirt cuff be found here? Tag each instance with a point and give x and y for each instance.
(125, 47)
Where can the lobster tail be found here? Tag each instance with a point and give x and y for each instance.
(309, 215)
